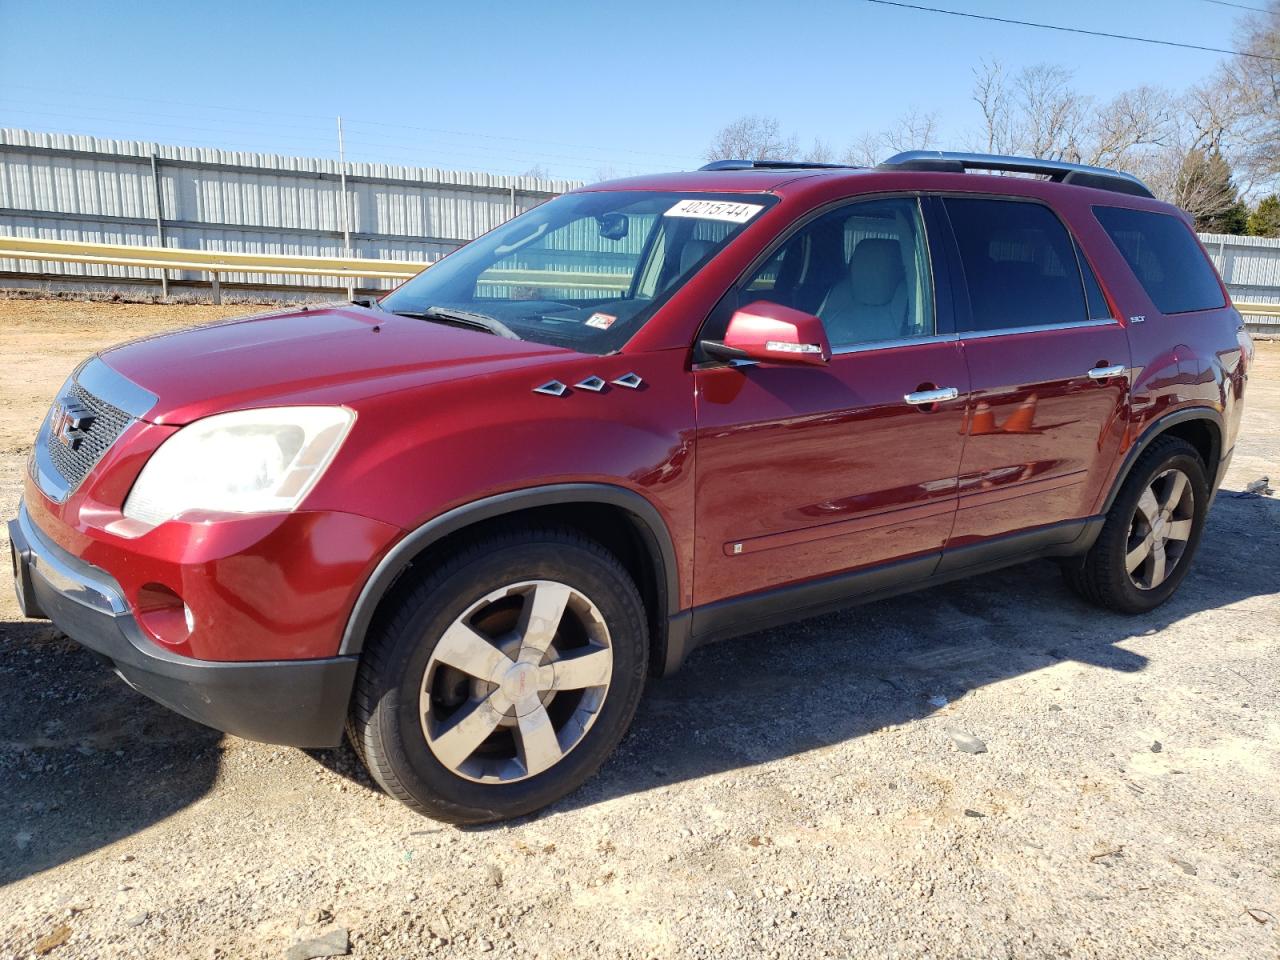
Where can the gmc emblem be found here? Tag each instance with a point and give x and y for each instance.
(70, 423)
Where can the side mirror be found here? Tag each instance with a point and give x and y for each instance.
(774, 333)
(613, 226)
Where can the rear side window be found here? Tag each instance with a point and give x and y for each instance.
(1165, 258)
(1019, 264)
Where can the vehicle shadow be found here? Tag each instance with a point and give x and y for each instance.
(84, 760)
(788, 690)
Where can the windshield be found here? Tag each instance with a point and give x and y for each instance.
(583, 271)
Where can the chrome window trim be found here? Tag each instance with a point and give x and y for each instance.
(112, 387)
(1010, 331)
(941, 338)
(890, 344)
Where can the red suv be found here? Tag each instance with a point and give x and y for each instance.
(467, 522)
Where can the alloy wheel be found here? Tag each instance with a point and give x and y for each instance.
(516, 682)
(1160, 529)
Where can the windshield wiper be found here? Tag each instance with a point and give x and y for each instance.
(463, 318)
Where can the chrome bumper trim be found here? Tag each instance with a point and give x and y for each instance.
(74, 579)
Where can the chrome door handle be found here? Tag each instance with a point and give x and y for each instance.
(921, 397)
(1103, 373)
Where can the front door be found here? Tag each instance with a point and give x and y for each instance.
(1049, 369)
(806, 471)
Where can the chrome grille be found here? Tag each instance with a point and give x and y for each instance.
(74, 460)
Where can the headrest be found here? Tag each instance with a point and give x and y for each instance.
(875, 271)
(692, 252)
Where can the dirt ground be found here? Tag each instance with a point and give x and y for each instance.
(796, 793)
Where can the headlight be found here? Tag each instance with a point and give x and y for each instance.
(250, 461)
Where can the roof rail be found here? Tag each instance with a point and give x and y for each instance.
(942, 161)
(772, 165)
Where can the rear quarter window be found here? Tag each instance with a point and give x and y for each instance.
(1165, 257)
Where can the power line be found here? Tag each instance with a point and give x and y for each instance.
(1061, 29)
(82, 95)
(1238, 6)
(316, 142)
(445, 156)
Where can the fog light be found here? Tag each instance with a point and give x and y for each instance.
(164, 614)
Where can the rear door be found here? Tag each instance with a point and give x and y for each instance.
(807, 471)
(1048, 365)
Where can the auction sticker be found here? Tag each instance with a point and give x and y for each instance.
(728, 210)
(601, 321)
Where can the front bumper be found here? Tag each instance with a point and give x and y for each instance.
(299, 703)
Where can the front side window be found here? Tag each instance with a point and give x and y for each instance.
(584, 270)
(1164, 256)
(1019, 264)
(863, 269)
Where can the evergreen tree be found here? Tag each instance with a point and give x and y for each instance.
(1206, 190)
(1265, 219)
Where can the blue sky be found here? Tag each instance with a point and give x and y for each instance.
(578, 89)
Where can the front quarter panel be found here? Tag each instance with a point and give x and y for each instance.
(415, 454)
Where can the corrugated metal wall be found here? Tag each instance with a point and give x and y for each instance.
(1250, 267)
(85, 188)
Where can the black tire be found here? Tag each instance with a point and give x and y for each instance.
(384, 722)
(1102, 577)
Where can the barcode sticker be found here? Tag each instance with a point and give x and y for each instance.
(728, 210)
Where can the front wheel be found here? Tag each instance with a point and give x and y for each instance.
(504, 679)
(1150, 533)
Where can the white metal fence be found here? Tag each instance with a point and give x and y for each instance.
(79, 188)
(89, 190)
(1250, 267)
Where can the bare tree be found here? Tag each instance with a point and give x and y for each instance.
(1053, 114)
(1249, 88)
(819, 152)
(752, 137)
(1199, 149)
(1034, 112)
(913, 130)
(991, 93)
(1136, 120)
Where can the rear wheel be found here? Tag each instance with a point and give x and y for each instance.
(1150, 533)
(504, 679)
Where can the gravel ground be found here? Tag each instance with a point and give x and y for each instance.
(798, 793)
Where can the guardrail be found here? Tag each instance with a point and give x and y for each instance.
(217, 262)
(213, 262)
(1258, 309)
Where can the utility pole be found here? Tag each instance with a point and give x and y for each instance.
(159, 199)
(346, 215)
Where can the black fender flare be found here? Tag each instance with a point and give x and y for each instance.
(1159, 426)
(644, 514)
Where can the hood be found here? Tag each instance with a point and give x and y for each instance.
(331, 354)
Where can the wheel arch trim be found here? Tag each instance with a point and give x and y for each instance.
(1157, 428)
(399, 557)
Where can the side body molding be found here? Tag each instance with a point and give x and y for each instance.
(645, 515)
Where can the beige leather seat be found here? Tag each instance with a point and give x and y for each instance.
(871, 302)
